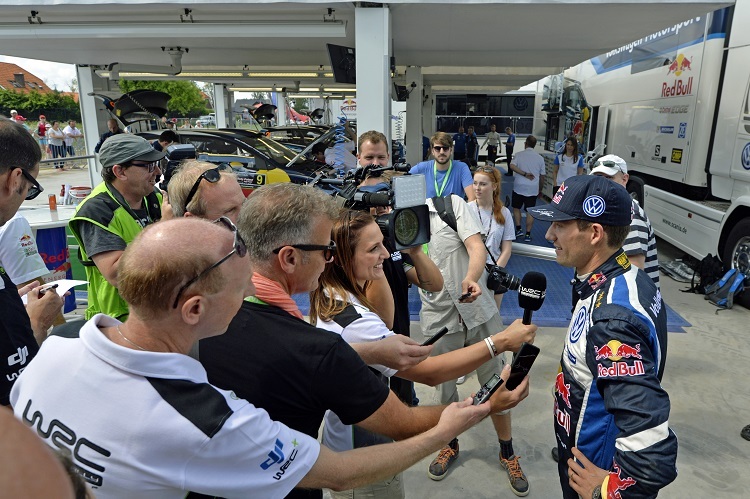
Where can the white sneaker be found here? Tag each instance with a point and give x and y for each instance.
(460, 380)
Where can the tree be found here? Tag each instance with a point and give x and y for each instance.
(186, 96)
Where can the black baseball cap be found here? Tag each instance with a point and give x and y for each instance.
(591, 198)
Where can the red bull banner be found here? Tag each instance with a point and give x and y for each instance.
(53, 248)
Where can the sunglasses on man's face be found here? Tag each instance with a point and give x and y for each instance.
(442, 148)
(151, 165)
(329, 250)
(239, 247)
(35, 188)
(212, 176)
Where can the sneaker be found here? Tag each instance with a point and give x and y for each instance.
(519, 233)
(439, 466)
(527, 238)
(460, 380)
(518, 482)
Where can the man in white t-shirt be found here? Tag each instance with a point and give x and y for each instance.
(529, 165)
(137, 414)
(71, 135)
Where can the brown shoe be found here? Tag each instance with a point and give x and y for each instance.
(516, 477)
(439, 466)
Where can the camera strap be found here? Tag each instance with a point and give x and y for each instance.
(447, 215)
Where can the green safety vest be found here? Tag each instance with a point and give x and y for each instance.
(106, 208)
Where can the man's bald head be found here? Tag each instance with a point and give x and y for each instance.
(165, 256)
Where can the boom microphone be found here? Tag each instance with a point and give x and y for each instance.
(531, 294)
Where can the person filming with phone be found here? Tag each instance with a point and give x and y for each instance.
(340, 305)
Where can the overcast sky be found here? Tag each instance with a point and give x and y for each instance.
(56, 75)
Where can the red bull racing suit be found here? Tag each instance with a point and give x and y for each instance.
(609, 402)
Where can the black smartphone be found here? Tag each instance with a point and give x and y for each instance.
(437, 336)
(522, 362)
(464, 296)
(484, 393)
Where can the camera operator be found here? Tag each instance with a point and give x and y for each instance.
(390, 297)
(460, 255)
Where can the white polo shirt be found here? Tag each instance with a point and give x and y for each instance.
(149, 425)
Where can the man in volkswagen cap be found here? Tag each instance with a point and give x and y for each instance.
(611, 412)
(109, 218)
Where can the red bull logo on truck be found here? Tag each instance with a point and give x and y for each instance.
(616, 351)
(679, 86)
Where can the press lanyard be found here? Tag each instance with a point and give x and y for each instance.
(439, 191)
(253, 299)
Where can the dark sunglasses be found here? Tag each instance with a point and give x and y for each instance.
(35, 188)
(328, 251)
(150, 165)
(212, 176)
(442, 148)
(239, 247)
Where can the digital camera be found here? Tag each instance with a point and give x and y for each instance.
(500, 280)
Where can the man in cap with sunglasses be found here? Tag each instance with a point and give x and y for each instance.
(611, 414)
(109, 218)
(640, 245)
(19, 166)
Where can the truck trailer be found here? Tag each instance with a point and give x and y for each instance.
(675, 105)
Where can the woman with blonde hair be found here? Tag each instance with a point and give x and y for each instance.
(497, 224)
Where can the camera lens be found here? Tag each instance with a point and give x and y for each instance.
(406, 227)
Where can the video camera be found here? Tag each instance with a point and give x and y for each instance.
(408, 224)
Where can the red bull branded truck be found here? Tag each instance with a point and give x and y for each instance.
(675, 105)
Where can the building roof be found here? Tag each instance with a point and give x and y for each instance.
(14, 77)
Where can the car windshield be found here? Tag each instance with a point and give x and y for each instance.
(278, 152)
(326, 138)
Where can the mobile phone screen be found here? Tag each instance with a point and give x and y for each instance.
(522, 362)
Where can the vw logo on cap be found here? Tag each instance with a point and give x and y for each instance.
(746, 157)
(594, 206)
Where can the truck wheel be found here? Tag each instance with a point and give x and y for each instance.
(635, 189)
(737, 249)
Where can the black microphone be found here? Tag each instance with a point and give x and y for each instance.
(531, 294)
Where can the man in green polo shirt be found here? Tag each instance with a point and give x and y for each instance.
(113, 214)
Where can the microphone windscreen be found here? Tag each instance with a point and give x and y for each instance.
(532, 291)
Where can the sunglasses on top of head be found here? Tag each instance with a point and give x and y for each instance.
(211, 176)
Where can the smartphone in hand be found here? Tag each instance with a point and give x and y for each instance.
(522, 362)
(464, 296)
(437, 336)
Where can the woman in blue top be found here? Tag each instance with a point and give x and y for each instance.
(568, 164)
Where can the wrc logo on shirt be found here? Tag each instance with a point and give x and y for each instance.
(276, 456)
